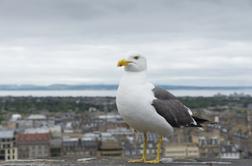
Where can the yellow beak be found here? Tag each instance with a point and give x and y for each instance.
(123, 62)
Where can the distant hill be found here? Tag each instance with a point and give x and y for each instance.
(111, 87)
(59, 87)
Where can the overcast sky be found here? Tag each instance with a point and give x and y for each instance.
(186, 42)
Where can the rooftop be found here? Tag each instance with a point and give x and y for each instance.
(30, 137)
(36, 130)
(6, 134)
(69, 139)
(36, 117)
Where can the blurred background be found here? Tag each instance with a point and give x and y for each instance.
(59, 76)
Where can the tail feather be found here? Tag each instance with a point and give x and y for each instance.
(200, 120)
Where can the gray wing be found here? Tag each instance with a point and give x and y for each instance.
(169, 107)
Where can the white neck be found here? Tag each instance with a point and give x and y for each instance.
(133, 78)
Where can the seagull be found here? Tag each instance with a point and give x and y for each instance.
(149, 108)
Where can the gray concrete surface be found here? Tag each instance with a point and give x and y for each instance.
(120, 162)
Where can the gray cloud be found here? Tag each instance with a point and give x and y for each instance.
(78, 41)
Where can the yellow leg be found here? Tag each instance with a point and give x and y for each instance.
(144, 155)
(158, 156)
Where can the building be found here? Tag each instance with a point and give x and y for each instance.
(34, 121)
(23, 124)
(36, 130)
(209, 146)
(86, 145)
(55, 141)
(89, 144)
(8, 149)
(109, 145)
(71, 145)
(208, 141)
(39, 120)
(12, 123)
(230, 152)
(15, 117)
(33, 145)
(109, 148)
(249, 119)
(182, 151)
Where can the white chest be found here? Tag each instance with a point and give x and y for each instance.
(134, 103)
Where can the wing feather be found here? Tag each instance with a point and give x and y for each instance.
(168, 106)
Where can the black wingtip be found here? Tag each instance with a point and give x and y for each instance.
(196, 125)
(200, 120)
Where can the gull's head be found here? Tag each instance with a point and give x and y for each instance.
(134, 63)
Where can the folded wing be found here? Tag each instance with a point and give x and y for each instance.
(175, 112)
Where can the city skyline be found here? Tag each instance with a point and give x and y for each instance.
(202, 43)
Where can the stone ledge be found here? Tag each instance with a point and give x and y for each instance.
(120, 162)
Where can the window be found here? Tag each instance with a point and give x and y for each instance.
(2, 152)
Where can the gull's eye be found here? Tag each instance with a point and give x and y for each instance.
(136, 57)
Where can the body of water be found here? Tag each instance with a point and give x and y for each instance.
(75, 93)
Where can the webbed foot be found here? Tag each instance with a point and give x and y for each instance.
(136, 161)
(156, 161)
